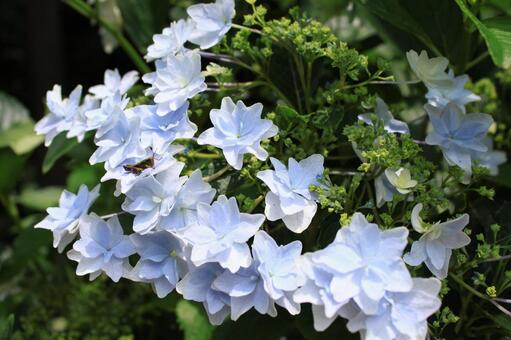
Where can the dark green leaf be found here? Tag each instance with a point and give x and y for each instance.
(89, 175)
(58, 148)
(12, 169)
(11, 111)
(6, 327)
(496, 33)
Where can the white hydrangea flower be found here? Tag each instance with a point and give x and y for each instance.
(114, 83)
(400, 315)
(246, 289)
(457, 94)
(177, 78)
(62, 112)
(171, 40)
(63, 221)
(162, 260)
(102, 247)
(390, 123)
(371, 266)
(289, 197)
(221, 233)
(127, 173)
(157, 132)
(212, 21)
(431, 71)
(79, 126)
(237, 130)
(434, 247)
(152, 199)
(279, 268)
(118, 142)
(197, 285)
(401, 180)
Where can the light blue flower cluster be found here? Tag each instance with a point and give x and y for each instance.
(211, 252)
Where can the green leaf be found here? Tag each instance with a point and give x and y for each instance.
(58, 148)
(12, 169)
(192, 321)
(11, 111)
(496, 33)
(254, 326)
(21, 138)
(6, 327)
(39, 198)
(87, 174)
(143, 19)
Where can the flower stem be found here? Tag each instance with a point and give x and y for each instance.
(217, 174)
(241, 27)
(88, 12)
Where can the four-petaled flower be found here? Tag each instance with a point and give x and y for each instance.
(63, 221)
(279, 269)
(102, 247)
(221, 233)
(289, 197)
(390, 123)
(177, 78)
(171, 40)
(401, 180)
(114, 83)
(434, 247)
(162, 260)
(211, 22)
(458, 134)
(430, 71)
(238, 130)
(457, 94)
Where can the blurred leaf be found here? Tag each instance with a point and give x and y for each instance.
(12, 169)
(144, 18)
(11, 111)
(192, 321)
(40, 198)
(6, 327)
(58, 148)
(496, 33)
(21, 137)
(504, 176)
(502, 321)
(87, 174)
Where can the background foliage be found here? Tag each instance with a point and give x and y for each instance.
(42, 298)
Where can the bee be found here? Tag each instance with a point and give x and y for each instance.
(140, 166)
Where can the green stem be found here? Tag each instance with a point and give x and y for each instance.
(241, 27)
(88, 12)
(194, 154)
(477, 60)
(217, 174)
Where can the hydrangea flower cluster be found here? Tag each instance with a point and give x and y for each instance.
(190, 240)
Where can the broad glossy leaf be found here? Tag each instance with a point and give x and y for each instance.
(40, 198)
(20, 137)
(496, 33)
(58, 148)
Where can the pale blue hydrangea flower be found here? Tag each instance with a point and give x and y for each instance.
(431, 71)
(79, 126)
(221, 233)
(171, 40)
(157, 132)
(102, 247)
(457, 94)
(63, 221)
(152, 199)
(114, 83)
(197, 285)
(490, 159)
(237, 130)
(279, 268)
(390, 123)
(289, 197)
(162, 260)
(118, 142)
(392, 183)
(62, 112)
(458, 134)
(385, 191)
(435, 246)
(400, 315)
(211, 22)
(246, 289)
(371, 266)
(177, 78)
(184, 212)
(103, 117)
(126, 178)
